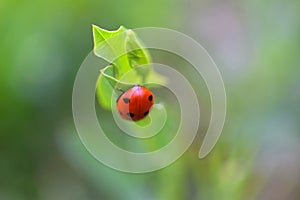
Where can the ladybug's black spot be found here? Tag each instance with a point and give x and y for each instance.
(150, 98)
(130, 114)
(126, 100)
(146, 113)
(121, 113)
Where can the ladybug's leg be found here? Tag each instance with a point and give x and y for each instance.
(120, 89)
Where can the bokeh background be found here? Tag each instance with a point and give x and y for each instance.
(254, 43)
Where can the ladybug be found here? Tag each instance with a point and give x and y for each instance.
(135, 103)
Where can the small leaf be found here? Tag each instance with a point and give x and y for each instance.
(110, 45)
(144, 122)
(101, 36)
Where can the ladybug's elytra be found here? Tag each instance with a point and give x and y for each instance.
(135, 103)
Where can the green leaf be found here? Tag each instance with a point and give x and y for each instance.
(144, 122)
(105, 88)
(110, 46)
(124, 51)
(137, 55)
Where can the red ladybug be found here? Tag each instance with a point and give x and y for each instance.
(135, 103)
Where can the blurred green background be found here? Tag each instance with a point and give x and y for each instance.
(254, 43)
